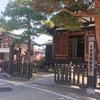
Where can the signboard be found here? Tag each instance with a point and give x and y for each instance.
(91, 59)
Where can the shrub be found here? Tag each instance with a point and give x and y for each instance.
(40, 63)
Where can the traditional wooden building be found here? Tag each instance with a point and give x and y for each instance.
(72, 45)
(19, 50)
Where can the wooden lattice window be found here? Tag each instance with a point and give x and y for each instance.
(72, 47)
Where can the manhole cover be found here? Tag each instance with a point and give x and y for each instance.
(5, 89)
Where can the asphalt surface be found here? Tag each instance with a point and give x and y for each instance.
(42, 87)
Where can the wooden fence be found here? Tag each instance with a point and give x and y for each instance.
(75, 74)
(71, 74)
(23, 70)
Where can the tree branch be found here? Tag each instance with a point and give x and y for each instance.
(79, 14)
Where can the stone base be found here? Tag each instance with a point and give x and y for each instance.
(90, 90)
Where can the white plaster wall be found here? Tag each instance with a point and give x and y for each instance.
(23, 51)
(24, 46)
(32, 47)
(3, 50)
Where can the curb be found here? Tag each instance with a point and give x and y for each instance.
(5, 74)
(9, 76)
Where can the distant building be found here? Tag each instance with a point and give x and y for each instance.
(19, 50)
(38, 54)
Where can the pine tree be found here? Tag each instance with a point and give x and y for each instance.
(67, 13)
(20, 15)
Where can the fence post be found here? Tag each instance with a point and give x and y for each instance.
(91, 66)
(11, 56)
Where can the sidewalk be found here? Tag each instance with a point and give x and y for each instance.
(47, 79)
(43, 78)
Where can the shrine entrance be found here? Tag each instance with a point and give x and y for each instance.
(84, 75)
(76, 48)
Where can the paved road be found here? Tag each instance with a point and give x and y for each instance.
(22, 91)
(42, 88)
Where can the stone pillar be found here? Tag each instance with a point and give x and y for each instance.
(91, 66)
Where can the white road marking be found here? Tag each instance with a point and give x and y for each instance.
(54, 93)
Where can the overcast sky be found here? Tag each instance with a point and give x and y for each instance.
(41, 39)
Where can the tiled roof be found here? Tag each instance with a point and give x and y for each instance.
(15, 36)
(32, 42)
(49, 42)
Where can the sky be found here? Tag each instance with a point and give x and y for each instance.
(41, 39)
(3, 4)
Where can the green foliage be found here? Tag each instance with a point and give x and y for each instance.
(22, 38)
(19, 15)
(49, 6)
(29, 2)
(49, 24)
(98, 11)
(61, 18)
(40, 63)
(69, 22)
(3, 26)
(2, 21)
(1, 29)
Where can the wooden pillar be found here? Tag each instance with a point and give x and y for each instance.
(11, 57)
(97, 24)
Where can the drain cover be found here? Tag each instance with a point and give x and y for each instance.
(5, 89)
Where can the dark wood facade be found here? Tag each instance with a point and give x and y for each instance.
(48, 53)
(72, 46)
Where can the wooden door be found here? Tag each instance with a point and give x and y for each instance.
(60, 45)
